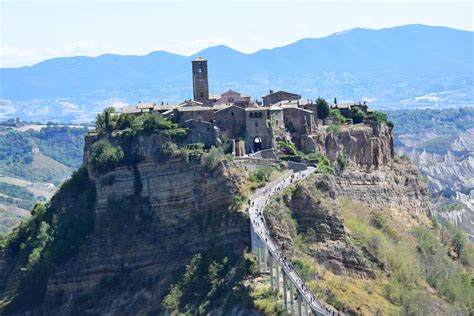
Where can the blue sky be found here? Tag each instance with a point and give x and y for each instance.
(34, 30)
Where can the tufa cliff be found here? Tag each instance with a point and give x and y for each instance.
(150, 216)
(154, 226)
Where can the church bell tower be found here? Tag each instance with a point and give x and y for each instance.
(200, 83)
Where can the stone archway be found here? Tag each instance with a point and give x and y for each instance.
(257, 144)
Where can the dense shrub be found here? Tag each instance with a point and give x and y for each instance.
(338, 114)
(287, 147)
(334, 128)
(377, 116)
(342, 161)
(213, 158)
(357, 115)
(104, 156)
(125, 121)
(261, 175)
(156, 122)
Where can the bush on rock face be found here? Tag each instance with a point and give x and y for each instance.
(105, 156)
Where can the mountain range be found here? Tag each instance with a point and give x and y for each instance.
(412, 65)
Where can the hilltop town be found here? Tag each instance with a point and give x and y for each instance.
(253, 125)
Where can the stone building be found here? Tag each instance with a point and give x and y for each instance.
(202, 132)
(231, 121)
(275, 97)
(250, 126)
(200, 80)
(233, 97)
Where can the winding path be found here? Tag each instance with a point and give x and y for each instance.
(257, 203)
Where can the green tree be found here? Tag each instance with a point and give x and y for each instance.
(125, 121)
(323, 108)
(358, 115)
(459, 242)
(105, 121)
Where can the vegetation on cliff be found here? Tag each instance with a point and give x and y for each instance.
(419, 270)
(289, 152)
(211, 281)
(52, 234)
(108, 121)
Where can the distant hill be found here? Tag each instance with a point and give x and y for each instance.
(389, 65)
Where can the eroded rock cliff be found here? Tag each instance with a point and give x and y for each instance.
(151, 216)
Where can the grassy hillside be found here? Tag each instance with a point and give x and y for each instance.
(48, 155)
(32, 164)
(418, 269)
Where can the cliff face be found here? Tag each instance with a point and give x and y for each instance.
(369, 145)
(371, 176)
(151, 217)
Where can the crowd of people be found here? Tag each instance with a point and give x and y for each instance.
(258, 205)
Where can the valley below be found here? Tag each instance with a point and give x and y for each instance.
(441, 144)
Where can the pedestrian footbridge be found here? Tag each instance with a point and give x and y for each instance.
(297, 297)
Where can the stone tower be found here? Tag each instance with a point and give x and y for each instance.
(200, 84)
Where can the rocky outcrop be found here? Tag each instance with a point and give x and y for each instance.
(318, 217)
(152, 215)
(369, 145)
(399, 191)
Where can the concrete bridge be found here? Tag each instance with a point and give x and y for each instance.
(283, 278)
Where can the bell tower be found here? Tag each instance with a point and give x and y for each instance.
(200, 83)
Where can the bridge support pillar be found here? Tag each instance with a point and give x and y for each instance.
(271, 270)
(299, 303)
(285, 293)
(305, 308)
(278, 277)
(292, 299)
(265, 259)
(259, 250)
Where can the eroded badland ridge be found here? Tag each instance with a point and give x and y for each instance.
(157, 219)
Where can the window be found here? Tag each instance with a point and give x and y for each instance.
(202, 95)
(276, 122)
(256, 124)
(232, 113)
(200, 68)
